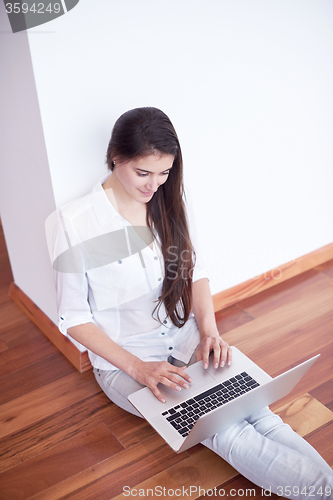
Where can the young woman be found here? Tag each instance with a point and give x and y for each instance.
(143, 308)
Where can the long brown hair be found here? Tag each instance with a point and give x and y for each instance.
(138, 133)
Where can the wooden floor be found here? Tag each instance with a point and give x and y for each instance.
(60, 437)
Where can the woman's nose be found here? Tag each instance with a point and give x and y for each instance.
(153, 184)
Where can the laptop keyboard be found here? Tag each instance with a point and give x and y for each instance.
(183, 416)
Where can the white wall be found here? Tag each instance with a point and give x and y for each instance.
(247, 84)
(26, 193)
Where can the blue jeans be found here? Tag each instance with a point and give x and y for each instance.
(261, 447)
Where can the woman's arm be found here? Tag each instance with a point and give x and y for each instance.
(146, 373)
(203, 310)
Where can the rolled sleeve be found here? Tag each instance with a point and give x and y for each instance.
(72, 300)
(71, 287)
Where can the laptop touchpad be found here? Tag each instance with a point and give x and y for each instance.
(199, 375)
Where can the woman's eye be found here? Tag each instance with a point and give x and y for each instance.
(145, 175)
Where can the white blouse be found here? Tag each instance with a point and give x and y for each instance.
(106, 275)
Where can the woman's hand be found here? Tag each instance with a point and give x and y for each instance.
(222, 351)
(151, 373)
(203, 309)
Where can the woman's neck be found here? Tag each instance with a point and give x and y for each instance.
(122, 202)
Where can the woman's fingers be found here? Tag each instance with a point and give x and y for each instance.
(210, 344)
(182, 373)
(176, 378)
(157, 394)
(176, 382)
(226, 353)
(168, 375)
(222, 352)
(218, 354)
(206, 348)
(229, 354)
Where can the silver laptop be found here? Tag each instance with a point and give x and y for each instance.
(216, 399)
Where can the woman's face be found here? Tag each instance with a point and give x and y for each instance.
(140, 179)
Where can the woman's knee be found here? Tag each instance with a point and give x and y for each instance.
(265, 421)
(117, 386)
(224, 441)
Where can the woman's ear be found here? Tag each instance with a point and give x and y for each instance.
(115, 159)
